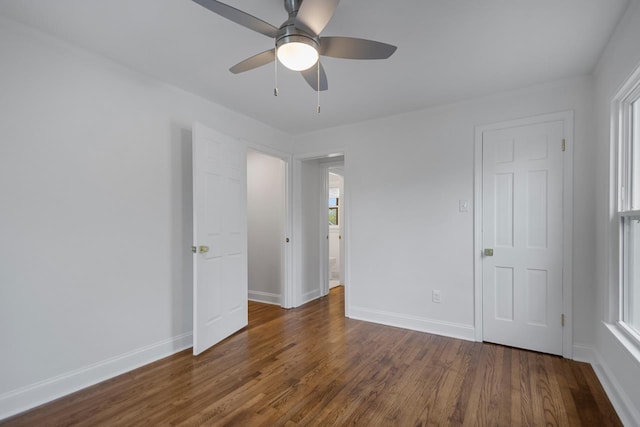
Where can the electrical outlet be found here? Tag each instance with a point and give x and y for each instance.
(436, 296)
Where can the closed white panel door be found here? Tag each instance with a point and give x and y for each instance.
(220, 283)
(522, 236)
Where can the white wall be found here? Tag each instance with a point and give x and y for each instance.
(265, 216)
(95, 216)
(617, 368)
(406, 175)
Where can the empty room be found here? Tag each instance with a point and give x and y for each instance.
(319, 212)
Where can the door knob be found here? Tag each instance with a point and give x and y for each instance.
(488, 252)
(203, 249)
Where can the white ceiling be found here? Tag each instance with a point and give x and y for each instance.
(448, 50)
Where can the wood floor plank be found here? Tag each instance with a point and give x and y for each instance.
(525, 389)
(311, 366)
(516, 389)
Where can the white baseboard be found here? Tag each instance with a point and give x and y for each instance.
(25, 398)
(629, 415)
(422, 324)
(310, 296)
(584, 353)
(264, 297)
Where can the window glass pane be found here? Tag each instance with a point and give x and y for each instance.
(631, 273)
(333, 216)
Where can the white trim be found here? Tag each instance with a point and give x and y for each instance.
(626, 410)
(265, 149)
(619, 176)
(324, 230)
(477, 233)
(346, 227)
(287, 259)
(584, 353)
(567, 117)
(24, 398)
(265, 297)
(291, 294)
(415, 323)
(567, 223)
(627, 337)
(310, 296)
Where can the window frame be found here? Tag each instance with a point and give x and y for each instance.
(623, 125)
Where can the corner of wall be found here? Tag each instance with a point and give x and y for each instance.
(629, 414)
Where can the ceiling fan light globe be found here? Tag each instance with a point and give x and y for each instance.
(297, 56)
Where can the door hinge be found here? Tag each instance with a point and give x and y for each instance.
(193, 249)
(562, 320)
(564, 144)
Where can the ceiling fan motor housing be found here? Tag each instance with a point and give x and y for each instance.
(288, 31)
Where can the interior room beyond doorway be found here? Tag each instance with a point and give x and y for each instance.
(266, 201)
(335, 216)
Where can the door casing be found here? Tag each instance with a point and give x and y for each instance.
(567, 117)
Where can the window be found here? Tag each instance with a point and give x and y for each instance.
(333, 210)
(627, 112)
(334, 202)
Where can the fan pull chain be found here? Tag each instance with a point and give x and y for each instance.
(275, 88)
(318, 87)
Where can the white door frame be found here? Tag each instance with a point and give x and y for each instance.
(567, 221)
(286, 295)
(296, 283)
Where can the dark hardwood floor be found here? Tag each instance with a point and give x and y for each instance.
(312, 366)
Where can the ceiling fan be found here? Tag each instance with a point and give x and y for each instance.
(298, 44)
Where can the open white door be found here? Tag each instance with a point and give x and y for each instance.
(220, 237)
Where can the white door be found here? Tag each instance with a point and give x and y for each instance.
(523, 236)
(220, 237)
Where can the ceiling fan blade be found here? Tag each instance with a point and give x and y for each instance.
(314, 15)
(255, 61)
(352, 48)
(239, 17)
(311, 76)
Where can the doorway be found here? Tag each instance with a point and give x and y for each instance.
(335, 188)
(266, 226)
(523, 233)
(311, 226)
